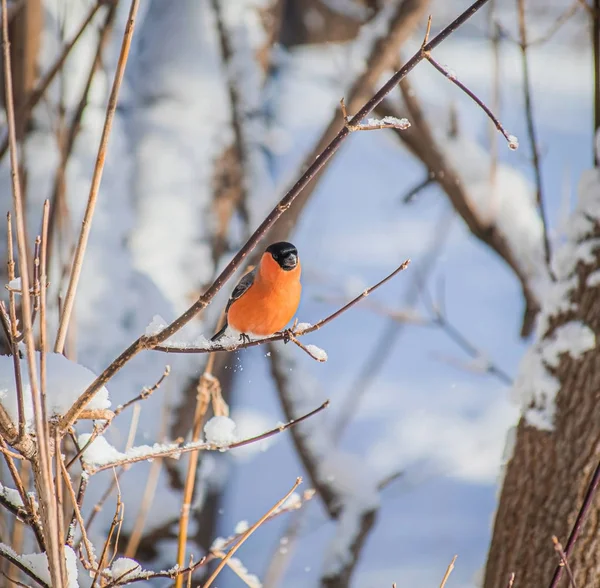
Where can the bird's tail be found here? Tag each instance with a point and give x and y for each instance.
(220, 333)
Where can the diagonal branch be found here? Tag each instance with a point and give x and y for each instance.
(421, 141)
(150, 342)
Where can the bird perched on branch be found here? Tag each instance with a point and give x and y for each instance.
(266, 298)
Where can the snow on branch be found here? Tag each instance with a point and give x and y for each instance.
(35, 565)
(101, 455)
(373, 124)
(145, 342)
(203, 345)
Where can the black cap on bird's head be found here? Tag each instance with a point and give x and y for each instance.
(285, 254)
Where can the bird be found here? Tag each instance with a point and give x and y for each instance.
(266, 298)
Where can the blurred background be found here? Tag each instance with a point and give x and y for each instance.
(223, 105)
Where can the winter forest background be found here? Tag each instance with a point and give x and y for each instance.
(482, 350)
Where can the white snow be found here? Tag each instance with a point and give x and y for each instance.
(535, 386)
(240, 569)
(513, 142)
(250, 423)
(124, 568)
(65, 381)
(99, 452)
(509, 204)
(376, 123)
(593, 279)
(300, 327)
(241, 527)
(156, 326)
(317, 352)
(12, 495)
(15, 285)
(37, 563)
(220, 430)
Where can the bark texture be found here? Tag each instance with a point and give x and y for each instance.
(548, 474)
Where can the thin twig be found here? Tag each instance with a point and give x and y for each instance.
(513, 142)
(249, 532)
(177, 449)
(77, 512)
(48, 77)
(25, 569)
(115, 523)
(563, 559)
(207, 381)
(76, 515)
(288, 334)
(577, 526)
(58, 208)
(32, 517)
(417, 189)
(531, 131)
(96, 179)
(41, 464)
(596, 51)
(441, 320)
(14, 581)
(150, 342)
(448, 571)
(150, 488)
(145, 393)
(14, 332)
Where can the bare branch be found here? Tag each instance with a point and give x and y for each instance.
(588, 501)
(249, 532)
(46, 80)
(14, 559)
(150, 342)
(563, 559)
(513, 142)
(96, 179)
(421, 141)
(288, 334)
(177, 449)
(531, 130)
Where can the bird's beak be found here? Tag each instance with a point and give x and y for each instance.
(290, 261)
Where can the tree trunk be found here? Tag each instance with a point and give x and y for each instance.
(548, 474)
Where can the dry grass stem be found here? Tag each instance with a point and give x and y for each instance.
(248, 533)
(69, 300)
(204, 393)
(448, 571)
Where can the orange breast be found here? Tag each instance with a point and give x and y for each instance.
(266, 307)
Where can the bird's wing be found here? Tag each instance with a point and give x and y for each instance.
(242, 286)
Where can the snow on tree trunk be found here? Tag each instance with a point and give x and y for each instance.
(556, 445)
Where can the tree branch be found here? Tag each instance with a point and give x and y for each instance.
(150, 342)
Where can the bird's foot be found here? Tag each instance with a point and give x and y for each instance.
(287, 335)
(244, 338)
